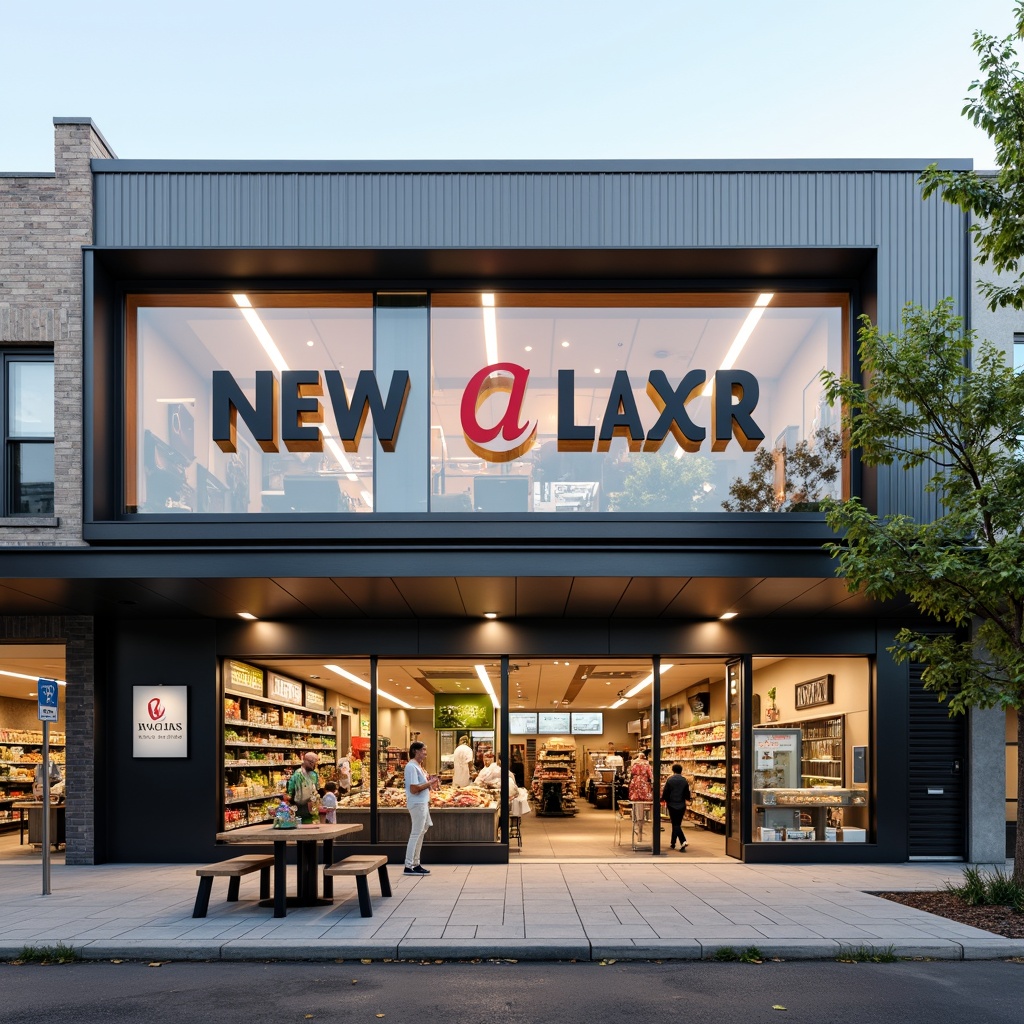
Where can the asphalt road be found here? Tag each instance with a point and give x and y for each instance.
(929, 992)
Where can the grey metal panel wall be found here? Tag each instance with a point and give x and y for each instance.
(921, 246)
(586, 210)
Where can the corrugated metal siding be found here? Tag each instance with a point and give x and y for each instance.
(586, 210)
(920, 246)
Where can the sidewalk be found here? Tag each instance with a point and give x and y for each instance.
(654, 909)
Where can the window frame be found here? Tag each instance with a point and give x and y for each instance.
(7, 462)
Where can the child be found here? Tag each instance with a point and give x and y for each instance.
(330, 803)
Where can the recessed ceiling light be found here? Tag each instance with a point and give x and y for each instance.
(246, 615)
(309, 344)
(314, 676)
(728, 615)
(565, 344)
(529, 348)
(490, 615)
(597, 369)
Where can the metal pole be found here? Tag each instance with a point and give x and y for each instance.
(46, 808)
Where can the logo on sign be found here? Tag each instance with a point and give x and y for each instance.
(156, 709)
(509, 438)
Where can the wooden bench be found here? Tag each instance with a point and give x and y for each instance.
(232, 869)
(360, 867)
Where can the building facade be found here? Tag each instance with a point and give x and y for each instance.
(345, 455)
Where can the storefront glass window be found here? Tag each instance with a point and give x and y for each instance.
(221, 424)
(452, 708)
(482, 403)
(809, 752)
(634, 403)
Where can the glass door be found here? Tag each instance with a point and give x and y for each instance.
(737, 725)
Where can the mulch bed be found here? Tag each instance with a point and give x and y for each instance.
(999, 920)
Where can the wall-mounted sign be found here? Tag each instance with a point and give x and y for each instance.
(285, 689)
(587, 723)
(316, 698)
(522, 723)
(244, 679)
(342, 708)
(463, 711)
(814, 692)
(160, 721)
(552, 723)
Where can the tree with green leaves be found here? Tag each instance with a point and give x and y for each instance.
(781, 480)
(995, 103)
(937, 397)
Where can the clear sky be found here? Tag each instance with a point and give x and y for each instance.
(463, 79)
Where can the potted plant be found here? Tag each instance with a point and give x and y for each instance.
(772, 714)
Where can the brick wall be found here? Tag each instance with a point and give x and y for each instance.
(44, 222)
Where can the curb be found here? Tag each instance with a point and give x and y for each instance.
(241, 950)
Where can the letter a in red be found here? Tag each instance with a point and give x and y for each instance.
(507, 439)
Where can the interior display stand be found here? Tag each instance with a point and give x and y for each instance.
(21, 751)
(700, 749)
(554, 779)
(264, 741)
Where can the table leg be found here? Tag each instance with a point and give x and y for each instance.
(280, 879)
(306, 866)
(328, 861)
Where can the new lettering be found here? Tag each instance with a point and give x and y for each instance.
(302, 412)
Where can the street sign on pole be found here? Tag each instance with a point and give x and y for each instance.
(46, 690)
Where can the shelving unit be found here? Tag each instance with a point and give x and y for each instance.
(20, 751)
(823, 750)
(700, 749)
(264, 740)
(554, 779)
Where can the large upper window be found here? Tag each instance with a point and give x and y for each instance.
(634, 403)
(482, 402)
(28, 433)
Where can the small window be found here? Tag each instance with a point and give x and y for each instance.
(28, 434)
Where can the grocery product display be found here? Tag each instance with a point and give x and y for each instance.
(264, 741)
(20, 751)
(700, 749)
(553, 789)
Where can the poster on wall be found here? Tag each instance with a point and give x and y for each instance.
(463, 711)
(160, 721)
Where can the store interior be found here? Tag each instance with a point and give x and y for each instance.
(572, 721)
(580, 740)
(21, 745)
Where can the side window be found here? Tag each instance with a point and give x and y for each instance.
(28, 434)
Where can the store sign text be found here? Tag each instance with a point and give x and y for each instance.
(734, 397)
(301, 410)
(733, 400)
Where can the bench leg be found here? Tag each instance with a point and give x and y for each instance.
(203, 896)
(363, 889)
(385, 882)
(264, 883)
(233, 886)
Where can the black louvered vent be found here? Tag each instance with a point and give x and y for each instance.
(937, 763)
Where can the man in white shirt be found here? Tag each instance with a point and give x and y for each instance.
(417, 799)
(462, 762)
